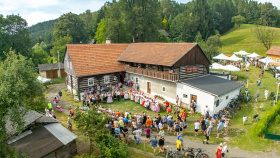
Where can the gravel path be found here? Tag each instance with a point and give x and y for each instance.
(170, 140)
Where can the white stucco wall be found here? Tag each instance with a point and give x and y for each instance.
(203, 98)
(223, 101)
(156, 86)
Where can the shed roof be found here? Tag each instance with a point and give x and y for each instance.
(30, 117)
(38, 144)
(52, 66)
(91, 59)
(61, 133)
(213, 84)
(165, 54)
(274, 50)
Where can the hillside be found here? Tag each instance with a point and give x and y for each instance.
(244, 39)
(42, 32)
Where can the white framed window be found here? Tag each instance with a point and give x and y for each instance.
(115, 78)
(136, 79)
(131, 78)
(90, 82)
(142, 78)
(106, 79)
(277, 60)
(163, 89)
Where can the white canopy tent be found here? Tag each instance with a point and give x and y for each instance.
(42, 79)
(253, 55)
(241, 52)
(278, 68)
(267, 60)
(221, 57)
(230, 68)
(216, 66)
(234, 58)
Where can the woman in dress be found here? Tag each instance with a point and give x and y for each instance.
(126, 95)
(157, 107)
(143, 101)
(136, 97)
(132, 96)
(109, 99)
(219, 151)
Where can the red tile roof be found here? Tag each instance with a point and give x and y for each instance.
(274, 50)
(90, 59)
(165, 54)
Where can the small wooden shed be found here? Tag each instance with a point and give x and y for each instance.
(51, 70)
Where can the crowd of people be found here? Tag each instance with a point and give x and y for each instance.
(92, 97)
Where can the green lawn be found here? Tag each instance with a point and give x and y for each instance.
(244, 39)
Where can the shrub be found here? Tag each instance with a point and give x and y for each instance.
(159, 97)
(260, 127)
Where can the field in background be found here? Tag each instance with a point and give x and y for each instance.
(244, 39)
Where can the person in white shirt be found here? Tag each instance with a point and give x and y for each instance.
(169, 117)
(225, 150)
(266, 94)
(110, 111)
(196, 127)
(244, 119)
(206, 110)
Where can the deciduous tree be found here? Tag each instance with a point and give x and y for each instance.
(238, 20)
(265, 35)
(19, 87)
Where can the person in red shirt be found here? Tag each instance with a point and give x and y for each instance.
(169, 109)
(166, 105)
(118, 113)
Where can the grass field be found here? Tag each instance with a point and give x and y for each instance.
(244, 39)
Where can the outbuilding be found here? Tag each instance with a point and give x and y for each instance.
(51, 71)
(42, 136)
(210, 90)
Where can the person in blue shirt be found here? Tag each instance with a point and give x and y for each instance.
(180, 137)
(170, 125)
(117, 132)
(154, 144)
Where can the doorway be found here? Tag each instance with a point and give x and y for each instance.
(149, 87)
(194, 97)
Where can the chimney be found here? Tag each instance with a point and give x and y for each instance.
(108, 41)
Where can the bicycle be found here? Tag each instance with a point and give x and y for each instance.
(201, 154)
(175, 154)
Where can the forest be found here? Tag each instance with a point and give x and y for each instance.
(127, 21)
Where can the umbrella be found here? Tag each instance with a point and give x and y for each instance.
(253, 55)
(241, 53)
(230, 68)
(234, 58)
(221, 57)
(216, 66)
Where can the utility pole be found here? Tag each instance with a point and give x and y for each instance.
(59, 74)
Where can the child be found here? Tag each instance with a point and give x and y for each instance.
(244, 119)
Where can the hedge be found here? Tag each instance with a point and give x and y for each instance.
(260, 127)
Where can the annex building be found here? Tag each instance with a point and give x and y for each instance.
(164, 69)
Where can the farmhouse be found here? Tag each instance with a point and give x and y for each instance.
(274, 54)
(164, 69)
(51, 71)
(43, 137)
(87, 65)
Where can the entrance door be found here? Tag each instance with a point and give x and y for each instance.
(149, 87)
(194, 97)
